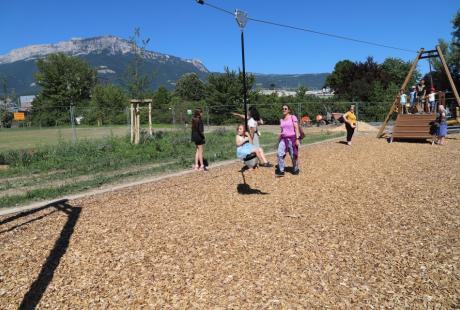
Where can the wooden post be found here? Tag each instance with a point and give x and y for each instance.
(138, 125)
(136, 119)
(396, 101)
(132, 122)
(150, 118)
(446, 70)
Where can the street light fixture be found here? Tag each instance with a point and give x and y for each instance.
(241, 19)
(72, 112)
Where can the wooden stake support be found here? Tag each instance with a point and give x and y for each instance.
(136, 119)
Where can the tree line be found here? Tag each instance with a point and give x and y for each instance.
(67, 81)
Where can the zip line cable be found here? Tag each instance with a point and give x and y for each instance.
(310, 30)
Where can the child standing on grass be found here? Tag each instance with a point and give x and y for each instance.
(198, 138)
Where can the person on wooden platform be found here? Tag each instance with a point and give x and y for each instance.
(421, 96)
(432, 101)
(412, 99)
(402, 101)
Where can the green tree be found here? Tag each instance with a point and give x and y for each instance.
(396, 71)
(64, 81)
(108, 106)
(161, 105)
(455, 49)
(224, 94)
(301, 92)
(451, 53)
(137, 82)
(190, 87)
(339, 80)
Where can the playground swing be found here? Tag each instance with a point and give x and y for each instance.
(417, 126)
(251, 160)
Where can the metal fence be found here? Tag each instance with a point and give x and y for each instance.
(86, 122)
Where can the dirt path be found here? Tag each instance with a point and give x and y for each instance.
(375, 224)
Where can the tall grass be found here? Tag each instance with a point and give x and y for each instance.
(52, 170)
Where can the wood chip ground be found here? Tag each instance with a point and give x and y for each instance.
(375, 225)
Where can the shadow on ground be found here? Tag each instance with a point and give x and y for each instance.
(245, 189)
(38, 287)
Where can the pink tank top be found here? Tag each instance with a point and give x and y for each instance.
(287, 126)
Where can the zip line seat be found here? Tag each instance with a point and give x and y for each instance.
(251, 160)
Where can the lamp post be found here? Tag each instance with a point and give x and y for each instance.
(242, 19)
(173, 114)
(72, 114)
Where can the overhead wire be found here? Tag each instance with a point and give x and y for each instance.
(310, 30)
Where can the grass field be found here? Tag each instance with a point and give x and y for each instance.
(53, 170)
(23, 138)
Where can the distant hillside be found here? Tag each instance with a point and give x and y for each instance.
(110, 56)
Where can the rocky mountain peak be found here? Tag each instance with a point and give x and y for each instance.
(110, 45)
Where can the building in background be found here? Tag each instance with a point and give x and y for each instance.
(322, 93)
(25, 103)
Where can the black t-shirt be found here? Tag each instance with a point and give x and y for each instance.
(421, 90)
(197, 130)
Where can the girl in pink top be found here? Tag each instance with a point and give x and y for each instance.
(289, 141)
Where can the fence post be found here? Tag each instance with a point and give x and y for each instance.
(72, 122)
(299, 108)
(357, 115)
(128, 122)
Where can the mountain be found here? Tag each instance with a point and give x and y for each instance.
(110, 55)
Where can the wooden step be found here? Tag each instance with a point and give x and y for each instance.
(413, 126)
(412, 135)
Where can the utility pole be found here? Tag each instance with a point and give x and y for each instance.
(241, 19)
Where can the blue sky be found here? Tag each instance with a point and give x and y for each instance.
(185, 29)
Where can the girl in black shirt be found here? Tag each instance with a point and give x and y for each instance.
(198, 138)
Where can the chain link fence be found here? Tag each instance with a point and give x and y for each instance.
(74, 122)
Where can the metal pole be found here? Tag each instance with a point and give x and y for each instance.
(150, 118)
(244, 83)
(128, 122)
(357, 115)
(72, 121)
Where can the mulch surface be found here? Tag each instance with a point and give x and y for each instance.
(372, 225)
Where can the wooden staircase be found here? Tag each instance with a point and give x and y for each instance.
(413, 126)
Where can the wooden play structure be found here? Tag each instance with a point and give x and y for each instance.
(417, 126)
(136, 119)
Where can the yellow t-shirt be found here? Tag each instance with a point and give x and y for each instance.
(351, 117)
